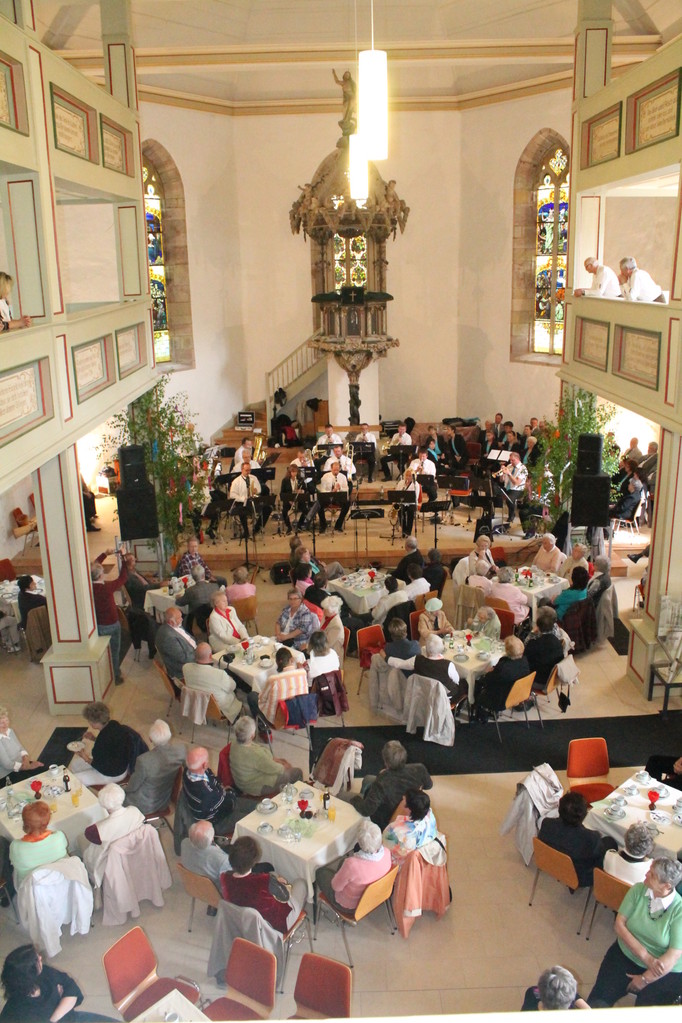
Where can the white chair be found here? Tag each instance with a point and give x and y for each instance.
(52, 896)
(136, 869)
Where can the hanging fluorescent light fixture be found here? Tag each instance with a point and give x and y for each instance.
(373, 99)
(358, 171)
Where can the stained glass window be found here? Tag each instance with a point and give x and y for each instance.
(350, 261)
(550, 254)
(153, 205)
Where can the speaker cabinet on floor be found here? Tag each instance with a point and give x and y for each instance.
(137, 516)
(589, 454)
(133, 469)
(590, 502)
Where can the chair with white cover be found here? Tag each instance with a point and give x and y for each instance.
(461, 572)
(386, 689)
(607, 612)
(422, 885)
(136, 869)
(427, 704)
(52, 896)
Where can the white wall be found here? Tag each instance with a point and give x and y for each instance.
(449, 271)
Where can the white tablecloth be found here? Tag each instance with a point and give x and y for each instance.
(176, 1002)
(301, 859)
(669, 840)
(548, 586)
(72, 820)
(9, 595)
(255, 675)
(360, 595)
(158, 601)
(473, 667)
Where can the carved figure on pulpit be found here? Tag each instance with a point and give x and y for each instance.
(349, 120)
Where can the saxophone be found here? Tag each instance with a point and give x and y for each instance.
(257, 448)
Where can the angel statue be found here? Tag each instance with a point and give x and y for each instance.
(349, 121)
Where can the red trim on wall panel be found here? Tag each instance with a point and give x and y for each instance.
(676, 477)
(151, 327)
(605, 71)
(54, 693)
(33, 16)
(632, 667)
(27, 181)
(575, 65)
(68, 544)
(137, 102)
(133, 294)
(675, 293)
(68, 376)
(49, 165)
(673, 319)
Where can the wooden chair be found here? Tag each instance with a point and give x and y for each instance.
(370, 636)
(638, 597)
(552, 682)
(421, 598)
(588, 767)
(199, 887)
(414, 624)
(166, 811)
(520, 692)
(608, 891)
(559, 866)
(38, 633)
(506, 622)
(247, 609)
(323, 988)
(497, 603)
(376, 894)
(171, 688)
(251, 975)
(134, 986)
(191, 700)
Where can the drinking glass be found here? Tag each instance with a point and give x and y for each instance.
(331, 813)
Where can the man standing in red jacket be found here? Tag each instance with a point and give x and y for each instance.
(106, 611)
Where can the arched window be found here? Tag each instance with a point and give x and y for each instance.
(168, 259)
(539, 249)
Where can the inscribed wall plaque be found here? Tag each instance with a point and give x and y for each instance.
(130, 349)
(91, 367)
(75, 126)
(653, 113)
(25, 399)
(592, 342)
(600, 137)
(637, 355)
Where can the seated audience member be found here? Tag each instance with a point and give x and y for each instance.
(381, 793)
(432, 620)
(604, 284)
(480, 578)
(290, 680)
(321, 658)
(629, 492)
(576, 557)
(225, 631)
(492, 689)
(543, 648)
(36, 992)
(14, 759)
(120, 821)
(9, 633)
(398, 644)
(205, 677)
(198, 596)
(394, 595)
(174, 643)
(302, 575)
(242, 887)
(142, 625)
(485, 623)
(645, 959)
(151, 783)
(601, 580)
(417, 584)
(414, 827)
(332, 625)
(241, 588)
(39, 846)
(296, 623)
(666, 769)
(111, 751)
(576, 592)
(633, 451)
(412, 556)
(201, 855)
(433, 665)
(434, 571)
(254, 769)
(28, 598)
(190, 558)
(549, 558)
(207, 800)
(637, 285)
(504, 589)
(344, 885)
(481, 552)
(568, 834)
(332, 569)
(557, 988)
(632, 863)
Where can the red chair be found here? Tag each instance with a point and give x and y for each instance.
(224, 773)
(130, 968)
(323, 988)
(251, 975)
(506, 622)
(414, 624)
(498, 554)
(370, 641)
(589, 759)
(7, 572)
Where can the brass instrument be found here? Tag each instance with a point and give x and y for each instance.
(502, 472)
(309, 457)
(258, 448)
(385, 447)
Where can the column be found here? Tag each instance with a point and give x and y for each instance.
(78, 666)
(592, 48)
(119, 56)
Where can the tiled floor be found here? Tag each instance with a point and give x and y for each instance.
(479, 958)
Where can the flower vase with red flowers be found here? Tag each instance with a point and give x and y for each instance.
(654, 796)
(36, 786)
(469, 637)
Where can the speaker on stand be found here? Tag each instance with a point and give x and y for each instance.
(137, 515)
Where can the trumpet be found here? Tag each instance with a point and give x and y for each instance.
(504, 471)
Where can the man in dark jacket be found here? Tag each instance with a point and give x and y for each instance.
(412, 556)
(568, 834)
(381, 793)
(493, 688)
(543, 648)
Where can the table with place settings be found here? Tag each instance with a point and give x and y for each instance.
(9, 595)
(157, 601)
(71, 819)
(256, 664)
(359, 590)
(472, 661)
(545, 584)
(665, 822)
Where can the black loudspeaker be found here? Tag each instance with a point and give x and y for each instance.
(133, 469)
(590, 501)
(589, 454)
(137, 512)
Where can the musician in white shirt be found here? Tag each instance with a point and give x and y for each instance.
(347, 467)
(245, 454)
(244, 488)
(367, 437)
(399, 439)
(604, 281)
(514, 476)
(422, 465)
(334, 482)
(329, 437)
(406, 511)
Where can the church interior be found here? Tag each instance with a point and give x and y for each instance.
(177, 207)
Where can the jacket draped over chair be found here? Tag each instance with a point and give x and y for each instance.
(422, 884)
(52, 896)
(136, 869)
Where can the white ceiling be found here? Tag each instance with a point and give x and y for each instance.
(241, 55)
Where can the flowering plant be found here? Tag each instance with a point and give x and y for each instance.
(36, 785)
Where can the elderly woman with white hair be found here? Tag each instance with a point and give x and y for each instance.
(504, 589)
(485, 623)
(120, 821)
(332, 626)
(576, 557)
(600, 582)
(254, 769)
(481, 553)
(549, 558)
(631, 864)
(492, 689)
(344, 885)
(225, 630)
(557, 988)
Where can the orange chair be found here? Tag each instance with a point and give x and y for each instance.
(559, 866)
(421, 598)
(370, 640)
(346, 640)
(608, 891)
(588, 762)
(171, 688)
(198, 886)
(247, 609)
(251, 975)
(506, 622)
(130, 968)
(414, 624)
(7, 572)
(323, 988)
(376, 894)
(498, 553)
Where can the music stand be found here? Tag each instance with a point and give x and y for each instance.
(403, 497)
(366, 514)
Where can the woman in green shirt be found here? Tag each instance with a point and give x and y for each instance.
(646, 960)
(38, 846)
